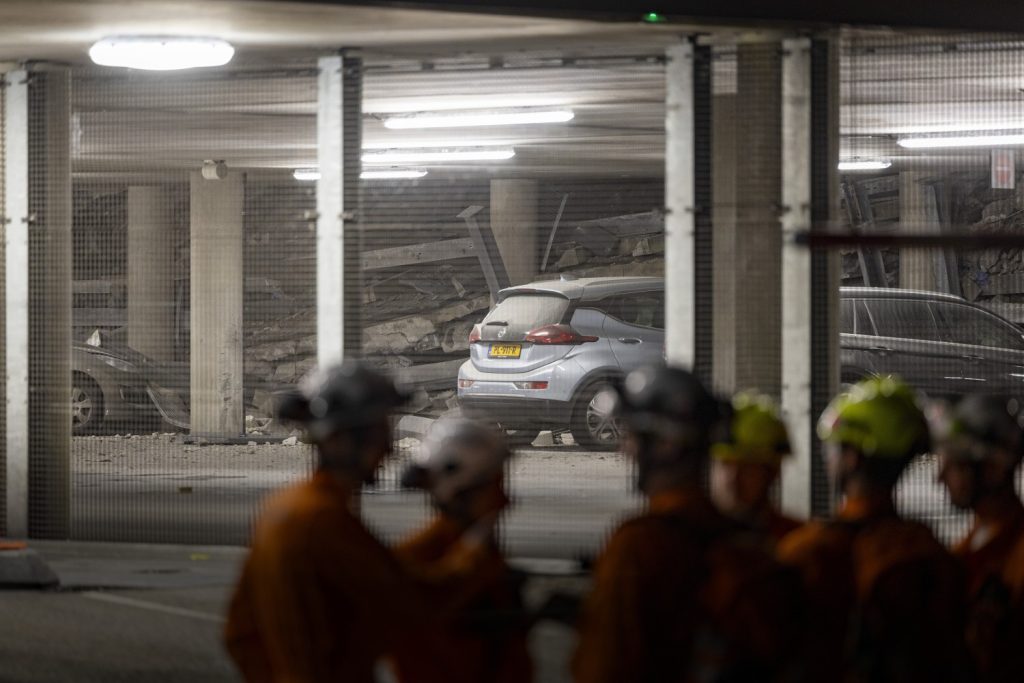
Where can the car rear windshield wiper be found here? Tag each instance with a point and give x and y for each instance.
(497, 323)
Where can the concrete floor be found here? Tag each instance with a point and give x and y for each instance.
(131, 612)
(137, 613)
(158, 490)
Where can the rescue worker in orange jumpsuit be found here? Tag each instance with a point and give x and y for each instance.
(680, 592)
(461, 465)
(320, 598)
(746, 463)
(980, 442)
(883, 594)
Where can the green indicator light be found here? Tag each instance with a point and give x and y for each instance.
(654, 18)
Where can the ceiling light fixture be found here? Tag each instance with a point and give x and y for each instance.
(962, 141)
(469, 120)
(306, 174)
(864, 164)
(161, 53)
(413, 156)
(398, 173)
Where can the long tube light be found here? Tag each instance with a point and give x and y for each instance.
(312, 174)
(306, 174)
(400, 174)
(399, 156)
(962, 141)
(469, 120)
(864, 164)
(161, 53)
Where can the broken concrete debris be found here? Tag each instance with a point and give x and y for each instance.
(419, 317)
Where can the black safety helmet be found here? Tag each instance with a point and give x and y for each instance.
(977, 425)
(670, 403)
(339, 397)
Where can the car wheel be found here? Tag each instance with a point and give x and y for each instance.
(86, 404)
(593, 423)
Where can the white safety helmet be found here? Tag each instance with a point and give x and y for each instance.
(458, 455)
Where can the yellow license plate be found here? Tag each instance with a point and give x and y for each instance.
(505, 351)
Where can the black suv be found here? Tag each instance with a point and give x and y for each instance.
(940, 344)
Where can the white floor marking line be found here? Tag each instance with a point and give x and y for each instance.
(152, 606)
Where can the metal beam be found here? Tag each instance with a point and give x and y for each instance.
(338, 237)
(330, 223)
(16, 309)
(796, 274)
(680, 304)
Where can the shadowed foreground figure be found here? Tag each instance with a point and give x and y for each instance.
(461, 464)
(883, 594)
(320, 598)
(746, 462)
(681, 592)
(981, 442)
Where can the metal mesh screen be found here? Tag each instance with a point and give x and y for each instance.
(574, 206)
(194, 298)
(931, 122)
(187, 278)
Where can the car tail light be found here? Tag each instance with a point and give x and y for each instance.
(474, 334)
(557, 334)
(531, 385)
(465, 383)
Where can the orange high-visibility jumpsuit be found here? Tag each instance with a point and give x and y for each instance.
(321, 599)
(994, 570)
(671, 593)
(486, 641)
(882, 599)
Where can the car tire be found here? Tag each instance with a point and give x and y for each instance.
(593, 426)
(86, 404)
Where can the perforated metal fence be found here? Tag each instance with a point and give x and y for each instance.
(174, 263)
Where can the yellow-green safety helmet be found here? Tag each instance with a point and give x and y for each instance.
(756, 432)
(880, 417)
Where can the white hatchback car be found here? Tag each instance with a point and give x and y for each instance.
(549, 354)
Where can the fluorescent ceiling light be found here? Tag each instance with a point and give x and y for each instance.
(306, 174)
(413, 156)
(954, 127)
(468, 120)
(962, 141)
(436, 144)
(864, 164)
(392, 174)
(161, 53)
(415, 105)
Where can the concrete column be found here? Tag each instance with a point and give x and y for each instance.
(747, 310)
(217, 279)
(514, 225)
(917, 266)
(151, 261)
(37, 272)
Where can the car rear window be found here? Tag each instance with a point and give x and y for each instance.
(524, 312)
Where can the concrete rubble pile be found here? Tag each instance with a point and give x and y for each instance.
(417, 319)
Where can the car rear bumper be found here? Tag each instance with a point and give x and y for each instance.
(514, 413)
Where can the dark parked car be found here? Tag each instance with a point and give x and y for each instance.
(941, 344)
(112, 383)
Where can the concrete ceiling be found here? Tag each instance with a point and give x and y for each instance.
(260, 113)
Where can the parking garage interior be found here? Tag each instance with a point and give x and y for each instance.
(182, 245)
